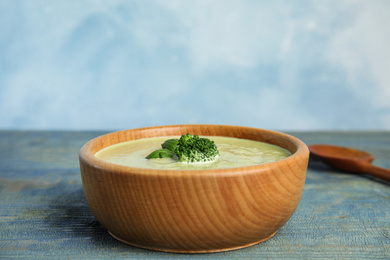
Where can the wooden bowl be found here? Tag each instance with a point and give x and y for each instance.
(194, 211)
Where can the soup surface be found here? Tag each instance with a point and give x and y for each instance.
(234, 152)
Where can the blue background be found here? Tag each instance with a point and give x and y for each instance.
(283, 65)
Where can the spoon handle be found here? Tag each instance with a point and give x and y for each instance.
(378, 172)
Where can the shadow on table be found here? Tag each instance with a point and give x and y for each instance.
(71, 217)
(70, 212)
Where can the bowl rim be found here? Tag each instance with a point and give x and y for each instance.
(88, 157)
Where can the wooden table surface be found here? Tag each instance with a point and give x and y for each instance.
(44, 215)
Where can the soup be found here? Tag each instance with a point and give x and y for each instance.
(234, 152)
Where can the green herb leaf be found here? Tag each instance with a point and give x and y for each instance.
(162, 153)
(170, 144)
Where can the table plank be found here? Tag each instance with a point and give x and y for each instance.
(44, 215)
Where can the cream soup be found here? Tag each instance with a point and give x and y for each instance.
(234, 152)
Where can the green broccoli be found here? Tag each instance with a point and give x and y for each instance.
(188, 149)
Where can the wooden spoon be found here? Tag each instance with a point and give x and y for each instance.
(348, 159)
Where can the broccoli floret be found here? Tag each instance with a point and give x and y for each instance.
(188, 149)
(193, 149)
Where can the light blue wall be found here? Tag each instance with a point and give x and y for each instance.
(283, 65)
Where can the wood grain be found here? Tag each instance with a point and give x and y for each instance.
(194, 211)
(44, 214)
(349, 160)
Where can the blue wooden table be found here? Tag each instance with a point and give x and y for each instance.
(44, 215)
